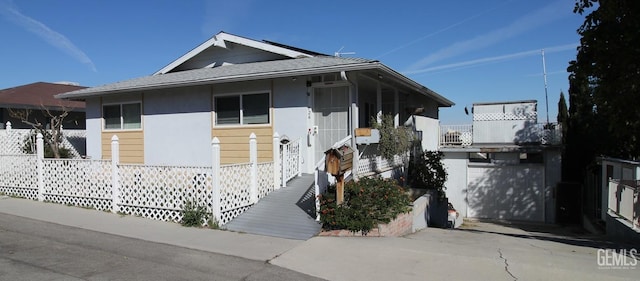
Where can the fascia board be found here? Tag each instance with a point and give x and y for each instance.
(220, 40)
(211, 42)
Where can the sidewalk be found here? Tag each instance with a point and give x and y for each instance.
(254, 247)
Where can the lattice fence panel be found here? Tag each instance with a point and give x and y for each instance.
(507, 116)
(12, 141)
(18, 175)
(367, 165)
(159, 192)
(75, 141)
(234, 192)
(373, 164)
(78, 182)
(265, 179)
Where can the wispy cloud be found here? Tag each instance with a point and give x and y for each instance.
(442, 30)
(547, 14)
(53, 38)
(494, 59)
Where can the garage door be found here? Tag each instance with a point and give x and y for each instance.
(507, 192)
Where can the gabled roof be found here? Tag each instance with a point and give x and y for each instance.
(222, 39)
(252, 71)
(39, 94)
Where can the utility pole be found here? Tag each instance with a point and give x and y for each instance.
(544, 74)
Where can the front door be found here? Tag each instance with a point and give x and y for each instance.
(331, 116)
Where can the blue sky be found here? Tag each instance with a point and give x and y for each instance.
(468, 51)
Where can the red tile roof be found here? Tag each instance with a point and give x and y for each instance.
(39, 94)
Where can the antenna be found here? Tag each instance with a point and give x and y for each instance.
(544, 74)
(339, 53)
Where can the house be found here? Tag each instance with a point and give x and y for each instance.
(39, 97)
(505, 165)
(230, 87)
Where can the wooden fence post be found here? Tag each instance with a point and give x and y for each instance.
(253, 158)
(115, 177)
(8, 126)
(276, 160)
(215, 189)
(40, 164)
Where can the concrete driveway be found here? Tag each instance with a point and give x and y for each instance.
(477, 251)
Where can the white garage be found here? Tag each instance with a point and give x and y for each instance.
(506, 191)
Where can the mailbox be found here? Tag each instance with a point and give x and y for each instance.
(338, 160)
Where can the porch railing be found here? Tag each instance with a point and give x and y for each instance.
(624, 200)
(456, 135)
(291, 159)
(462, 135)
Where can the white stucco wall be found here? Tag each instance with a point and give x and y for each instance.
(177, 127)
(456, 165)
(291, 115)
(94, 128)
(430, 130)
(553, 175)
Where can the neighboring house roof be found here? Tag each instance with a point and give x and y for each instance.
(253, 71)
(39, 94)
(222, 40)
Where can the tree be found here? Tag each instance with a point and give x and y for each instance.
(52, 137)
(605, 78)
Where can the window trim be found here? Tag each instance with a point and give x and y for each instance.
(241, 125)
(104, 122)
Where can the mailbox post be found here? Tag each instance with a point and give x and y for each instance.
(337, 162)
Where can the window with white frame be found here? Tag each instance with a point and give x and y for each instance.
(125, 116)
(244, 109)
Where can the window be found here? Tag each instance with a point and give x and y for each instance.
(122, 116)
(244, 109)
(531, 158)
(480, 157)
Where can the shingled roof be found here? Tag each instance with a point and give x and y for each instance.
(246, 72)
(39, 94)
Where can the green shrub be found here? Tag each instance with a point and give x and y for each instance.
(428, 172)
(193, 214)
(393, 140)
(367, 202)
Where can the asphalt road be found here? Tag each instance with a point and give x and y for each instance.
(36, 250)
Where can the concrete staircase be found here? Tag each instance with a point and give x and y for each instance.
(287, 213)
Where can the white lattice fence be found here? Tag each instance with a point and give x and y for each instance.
(159, 192)
(235, 195)
(12, 141)
(75, 141)
(373, 164)
(77, 182)
(18, 175)
(265, 179)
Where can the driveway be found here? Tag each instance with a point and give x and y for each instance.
(477, 251)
